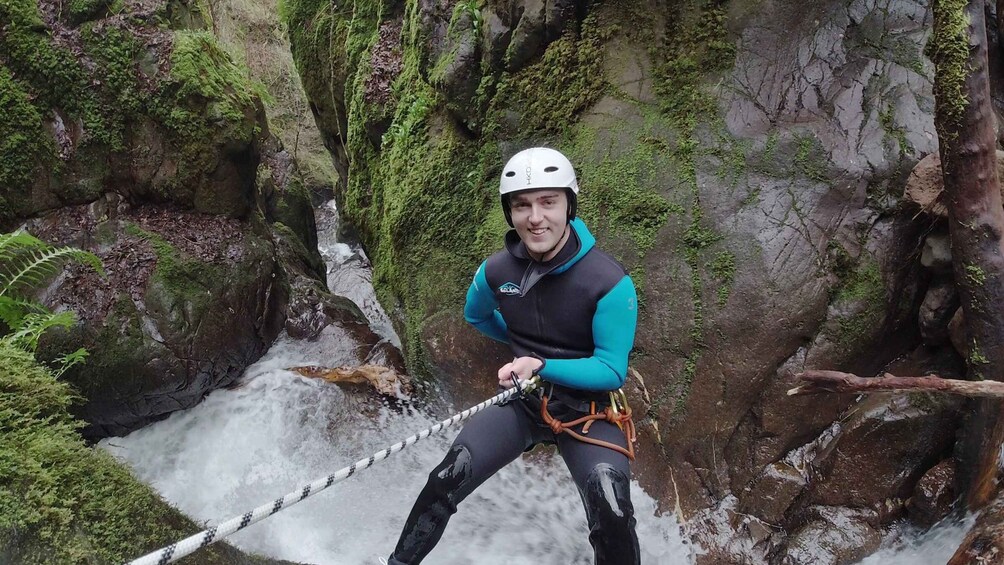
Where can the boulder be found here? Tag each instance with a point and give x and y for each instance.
(835, 536)
(936, 311)
(925, 187)
(935, 493)
(189, 302)
(937, 253)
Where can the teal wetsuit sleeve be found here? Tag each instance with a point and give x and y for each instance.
(614, 326)
(481, 309)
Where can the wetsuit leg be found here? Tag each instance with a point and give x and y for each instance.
(603, 477)
(492, 439)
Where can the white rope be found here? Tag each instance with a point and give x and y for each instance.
(191, 544)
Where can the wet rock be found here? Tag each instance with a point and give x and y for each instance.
(540, 22)
(957, 333)
(837, 536)
(774, 491)
(925, 187)
(455, 63)
(937, 253)
(727, 535)
(936, 311)
(932, 499)
(883, 446)
(189, 302)
(465, 361)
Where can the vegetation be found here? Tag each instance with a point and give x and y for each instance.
(25, 262)
(256, 37)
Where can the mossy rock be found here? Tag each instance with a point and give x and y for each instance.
(192, 300)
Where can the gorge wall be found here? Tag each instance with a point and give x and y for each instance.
(745, 160)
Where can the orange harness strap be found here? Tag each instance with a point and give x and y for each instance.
(622, 420)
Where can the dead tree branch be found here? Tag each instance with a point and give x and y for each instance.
(817, 382)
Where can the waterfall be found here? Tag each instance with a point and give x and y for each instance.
(243, 447)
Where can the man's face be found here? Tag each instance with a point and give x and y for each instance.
(540, 218)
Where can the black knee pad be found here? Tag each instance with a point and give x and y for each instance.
(449, 478)
(608, 497)
(448, 484)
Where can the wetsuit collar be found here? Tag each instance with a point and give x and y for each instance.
(579, 242)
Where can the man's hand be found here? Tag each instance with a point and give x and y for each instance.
(524, 368)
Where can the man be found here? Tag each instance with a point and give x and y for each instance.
(568, 311)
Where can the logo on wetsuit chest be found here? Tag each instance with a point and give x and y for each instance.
(509, 289)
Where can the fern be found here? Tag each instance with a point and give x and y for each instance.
(34, 325)
(14, 309)
(25, 263)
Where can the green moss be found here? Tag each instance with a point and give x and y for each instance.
(888, 122)
(115, 51)
(723, 269)
(751, 198)
(948, 48)
(24, 143)
(975, 275)
(549, 94)
(976, 356)
(84, 10)
(187, 280)
(810, 159)
(696, 44)
(617, 187)
(206, 98)
(203, 71)
(866, 286)
(732, 154)
(50, 74)
(466, 19)
(62, 502)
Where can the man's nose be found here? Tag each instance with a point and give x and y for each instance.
(536, 214)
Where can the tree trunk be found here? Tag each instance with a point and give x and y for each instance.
(964, 121)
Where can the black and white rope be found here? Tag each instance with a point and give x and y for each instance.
(191, 544)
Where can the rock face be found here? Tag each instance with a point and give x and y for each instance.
(190, 300)
(746, 163)
(131, 133)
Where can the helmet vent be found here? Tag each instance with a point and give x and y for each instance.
(550, 169)
(511, 174)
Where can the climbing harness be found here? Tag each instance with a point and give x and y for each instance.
(619, 413)
(190, 544)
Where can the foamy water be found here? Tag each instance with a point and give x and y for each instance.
(918, 547)
(241, 448)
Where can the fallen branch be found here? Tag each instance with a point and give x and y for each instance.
(817, 382)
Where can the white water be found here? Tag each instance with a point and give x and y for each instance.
(916, 547)
(241, 448)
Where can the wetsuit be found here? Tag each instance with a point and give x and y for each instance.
(578, 313)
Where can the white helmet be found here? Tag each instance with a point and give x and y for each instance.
(536, 168)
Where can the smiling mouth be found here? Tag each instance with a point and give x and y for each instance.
(540, 231)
